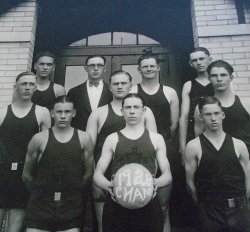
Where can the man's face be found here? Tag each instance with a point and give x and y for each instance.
(133, 110)
(62, 114)
(212, 117)
(199, 61)
(25, 87)
(220, 78)
(95, 68)
(149, 69)
(44, 66)
(120, 86)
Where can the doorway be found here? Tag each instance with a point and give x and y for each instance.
(70, 64)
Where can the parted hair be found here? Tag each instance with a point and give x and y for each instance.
(220, 64)
(209, 100)
(133, 95)
(120, 72)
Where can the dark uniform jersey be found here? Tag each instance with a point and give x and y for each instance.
(219, 174)
(149, 218)
(15, 134)
(237, 122)
(55, 203)
(60, 168)
(45, 98)
(160, 107)
(139, 151)
(197, 91)
(112, 124)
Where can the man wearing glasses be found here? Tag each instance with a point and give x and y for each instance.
(91, 94)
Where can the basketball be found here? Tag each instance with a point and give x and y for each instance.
(133, 186)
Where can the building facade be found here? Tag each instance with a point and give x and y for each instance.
(223, 26)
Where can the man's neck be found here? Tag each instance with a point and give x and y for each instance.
(20, 103)
(226, 97)
(214, 134)
(134, 131)
(117, 105)
(150, 85)
(94, 79)
(42, 83)
(202, 78)
(62, 134)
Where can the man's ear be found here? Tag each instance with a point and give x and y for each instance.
(210, 59)
(139, 69)
(190, 63)
(52, 113)
(35, 66)
(232, 76)
(74, 113)
(86, 68)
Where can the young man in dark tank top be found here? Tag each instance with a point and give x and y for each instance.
(132, 140)
(164, 103)
(192, 91)
(58, 169)
(47, 91)
(237, 112)
(218, 174)
(109, 119)
(19, 121)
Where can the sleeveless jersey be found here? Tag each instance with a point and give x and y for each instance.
(15, 134)
(237, 122)
(219, 173)
(160, 107)
(139, 151)
(197, 91)
(60, 168)
(112, 124)
(45, 98)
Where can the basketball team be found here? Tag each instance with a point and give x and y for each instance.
(61, 153)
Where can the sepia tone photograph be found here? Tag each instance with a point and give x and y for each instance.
(124, 115)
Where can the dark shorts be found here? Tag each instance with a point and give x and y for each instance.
(13, 193)
(217, 218)
(119, 219)
(47, 214)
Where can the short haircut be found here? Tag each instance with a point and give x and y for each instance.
(26, 73)
(148, 56)
(120, 72)
(63, 99)
(207, 101)
(94, 56)
(42, 54)
(133, 95)
(220, 64)
(200, 49)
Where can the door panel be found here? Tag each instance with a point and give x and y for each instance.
(70, 63)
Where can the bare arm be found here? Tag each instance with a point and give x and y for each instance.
(198, 124)
(172, 97)
(103, 163)
(165, 179)
(183, 122)
(59, 90)
(244, 161)
(191, 164)
(150, 122)
(88, 159)
(92, 126)
(43, 117)
(32, 156)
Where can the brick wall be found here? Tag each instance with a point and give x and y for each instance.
(17, 38)
(217, 28)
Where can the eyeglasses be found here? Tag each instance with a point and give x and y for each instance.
(92, 66)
